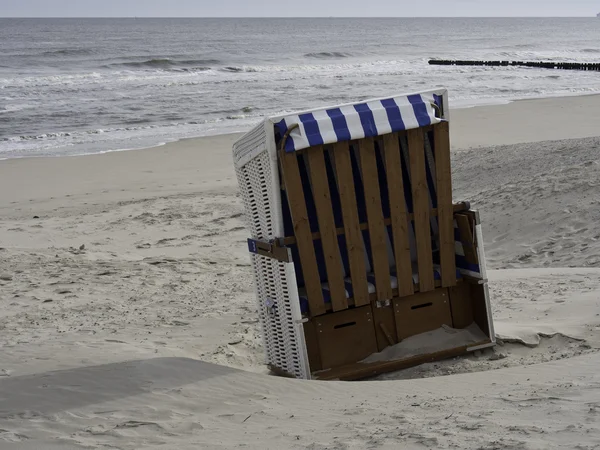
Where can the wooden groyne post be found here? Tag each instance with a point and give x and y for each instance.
(538, 64)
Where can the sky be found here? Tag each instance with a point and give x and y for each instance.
(295, 8)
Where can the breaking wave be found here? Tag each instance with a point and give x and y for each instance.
(327, 55)
(235, 69)
(168, 64)
(69, 52)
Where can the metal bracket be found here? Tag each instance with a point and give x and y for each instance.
(270, 305)
(383, 303)
(272, 249)
(462, 206)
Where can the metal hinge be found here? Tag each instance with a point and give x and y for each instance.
(271, 249)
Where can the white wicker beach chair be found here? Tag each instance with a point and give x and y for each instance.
(355, 241)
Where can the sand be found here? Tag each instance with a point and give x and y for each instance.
(440, 339)
(547, 119)
(128, 317)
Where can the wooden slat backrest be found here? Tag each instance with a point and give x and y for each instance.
(377, 231)
(301, 224)
(354, 240)
(456, 207)
(329, 240)
(398, 214)
(443, 175)
(420, 196)
(338, 164)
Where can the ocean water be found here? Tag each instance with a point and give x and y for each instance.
(78, 86)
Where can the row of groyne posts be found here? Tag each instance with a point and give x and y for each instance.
(539, 64)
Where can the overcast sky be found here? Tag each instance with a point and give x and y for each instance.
(304, 8)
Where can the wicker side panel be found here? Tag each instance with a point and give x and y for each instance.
(255, 183)
(249, 146)
(276, 290)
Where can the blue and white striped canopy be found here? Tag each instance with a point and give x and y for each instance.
(359, 120)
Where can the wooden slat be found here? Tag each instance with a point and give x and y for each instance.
(466, 237)
(420, 195)
(480, 311)
(295, 194)
(312, 345)
(373, 297)
(354, 241)
(289, 240)
(443, 175)
(461, 303)
(385, 326)
(329, 239)
(398, 213)
(377, 231)
(422, 312)
(346, 336)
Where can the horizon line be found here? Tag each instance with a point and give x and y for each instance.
(298, 17)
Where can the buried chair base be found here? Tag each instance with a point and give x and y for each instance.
(361, 370)
(421, 328)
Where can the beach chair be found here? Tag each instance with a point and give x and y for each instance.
(363, 264)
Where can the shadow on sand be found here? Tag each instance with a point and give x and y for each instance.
(74, 388)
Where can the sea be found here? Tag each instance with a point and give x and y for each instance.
(83, 86)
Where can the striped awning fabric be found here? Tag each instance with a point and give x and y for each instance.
(359, 120)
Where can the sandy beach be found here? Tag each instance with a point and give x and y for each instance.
(128, 310)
